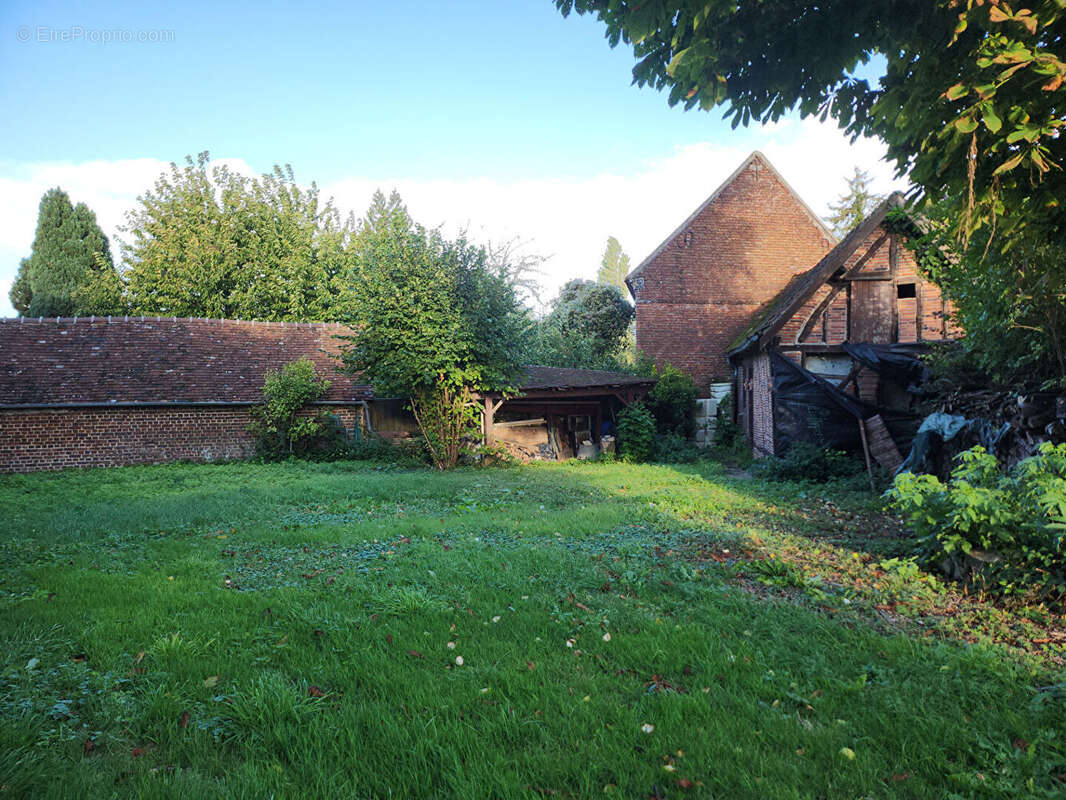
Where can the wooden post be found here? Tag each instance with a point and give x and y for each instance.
(866, 453)
(486, 422)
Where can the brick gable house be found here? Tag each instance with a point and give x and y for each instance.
(711, 277)
(817, 338)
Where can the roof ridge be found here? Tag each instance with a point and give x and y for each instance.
(93, 319)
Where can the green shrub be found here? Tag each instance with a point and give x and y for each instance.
(490, 455)
(729, 442)
(672, 401)
(672, 448)
(636, 433)
(282, 426)
(807, 462)
(372, 447)
(1002, 533)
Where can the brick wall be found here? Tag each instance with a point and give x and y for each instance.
(693, 337)
(707, 283)
(149, 359)
(32, 440)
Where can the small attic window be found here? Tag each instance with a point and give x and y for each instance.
(906, 290)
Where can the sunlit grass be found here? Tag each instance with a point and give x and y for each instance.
(296, 630)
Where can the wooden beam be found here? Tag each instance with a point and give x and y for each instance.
(592, 391)
(852, 375)
(486, 422)
(811, 347)
(819, 309)
(550, 408)
(866, 453)
(852, 274)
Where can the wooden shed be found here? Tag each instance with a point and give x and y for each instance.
(560, 409)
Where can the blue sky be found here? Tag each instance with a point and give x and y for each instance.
(500, 116)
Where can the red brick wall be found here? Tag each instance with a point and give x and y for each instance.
(692, 337)
(32, 440)
(711, 279)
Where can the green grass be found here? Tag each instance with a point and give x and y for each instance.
(294, 630)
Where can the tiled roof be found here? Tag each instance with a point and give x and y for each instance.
(118, 360)
(159, 360)
(541, 378)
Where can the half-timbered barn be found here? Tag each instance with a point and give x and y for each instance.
(830, 358)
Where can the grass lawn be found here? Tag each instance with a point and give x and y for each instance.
(556, 630)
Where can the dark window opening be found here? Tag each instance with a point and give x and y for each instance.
(907, 290)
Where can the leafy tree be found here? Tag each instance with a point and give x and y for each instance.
(585, 328)
(385, 214)
(102, 293)
(69, 249)
(207, 242)
(970, 105)
(434, 323)
(614, 266)
(1011, 305)
(279, 425)
(551, 346)
(595, 310)
(853, 205)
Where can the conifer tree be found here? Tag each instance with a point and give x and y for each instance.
(20, 290)
(854, 204)
(615, 265)
(70, 251)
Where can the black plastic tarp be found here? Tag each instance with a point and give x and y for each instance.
(898, 362)
(810, 409)
(928, 452)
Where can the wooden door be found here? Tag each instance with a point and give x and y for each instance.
(873, 306)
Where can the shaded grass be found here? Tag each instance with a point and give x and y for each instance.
(585, 601)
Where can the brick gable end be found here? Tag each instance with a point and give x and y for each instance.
(713, 276)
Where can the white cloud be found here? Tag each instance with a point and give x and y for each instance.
(567, 219)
